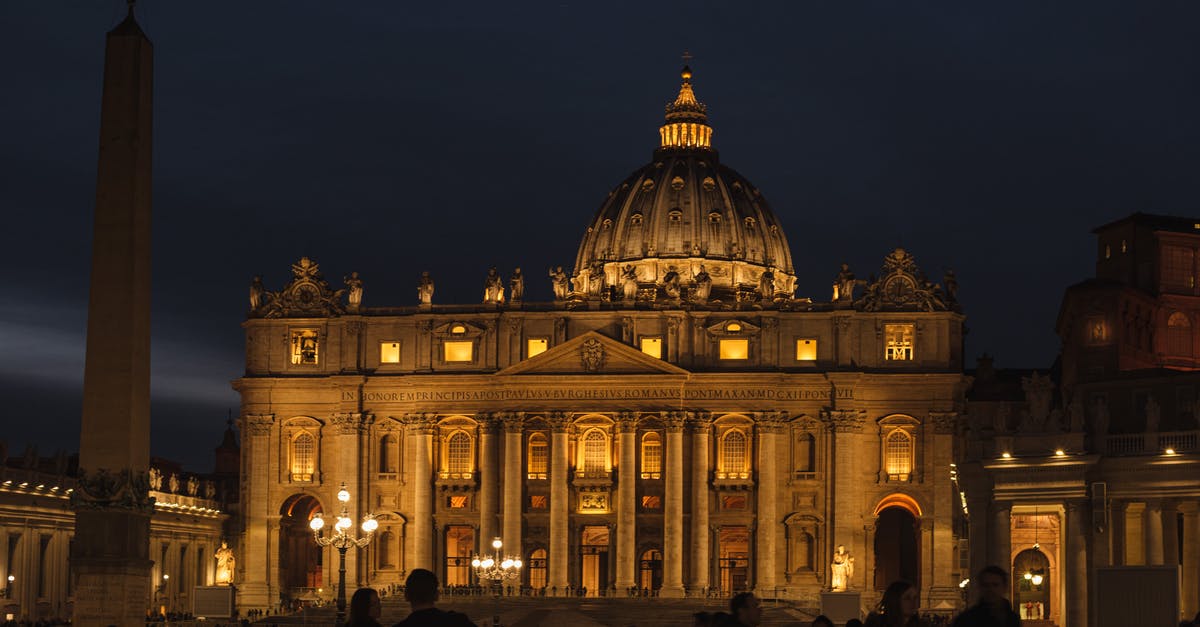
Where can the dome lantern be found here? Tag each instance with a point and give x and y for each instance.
(686, 125)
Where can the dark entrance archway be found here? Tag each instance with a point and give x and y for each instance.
(1031, 584)
(300, 559)
(897, 547)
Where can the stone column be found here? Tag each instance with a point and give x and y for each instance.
(766, 491)
(626, 502)
(422, 426)
(1152, 531)
(112, 497)
(1001, 554)
(254, 591)
(1076, 566)
(559, 507)
(1170, 532)
(673, 508)
(701, 423)
(351, 429)
(1190, 596)
(845, 428)
(489, 483)
(513, 503)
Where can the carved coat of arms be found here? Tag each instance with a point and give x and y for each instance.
(592, 355)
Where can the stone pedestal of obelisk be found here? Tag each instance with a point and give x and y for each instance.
(110, 554)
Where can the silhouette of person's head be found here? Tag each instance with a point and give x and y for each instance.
(992, 581)
(421, 588)
(822, 621)
(364, 604)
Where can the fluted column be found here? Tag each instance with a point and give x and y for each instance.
(626, 502)
(1170, 532)
(1001, 553)
(489, 481)
(1076, 567)
(1152, 531)
(422, 426)
(701, 423)
(767, 495)
(673, 509)
(1190, 594)
(559, 494)
(513, 502)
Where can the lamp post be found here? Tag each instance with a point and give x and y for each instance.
(8, 588)
(495, 568)
(341, 540)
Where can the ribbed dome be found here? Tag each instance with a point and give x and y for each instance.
(684, 210)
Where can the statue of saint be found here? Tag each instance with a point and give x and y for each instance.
(629, 282)
(703, 286)
(516, 286)
(192, 486)
(950, 282)
(425, 289)
(155, 479)
(671, 282)
(558, 280)
(225, 564)
(842, 569)
(256, 293)
(354, 293)
(493, 287)
(596, 279)
(843, 288)
(766, 284)
(173, 483)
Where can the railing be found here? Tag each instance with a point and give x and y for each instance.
(1152, 443)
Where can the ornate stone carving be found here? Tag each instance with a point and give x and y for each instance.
(559, 421)
(902, 287)
(308, 295)
(103, 489)
(627, 422)
(674, 420)
(559, 281)
(259, 424)
(944, 422)
(350, 423)
(629, 283)
(700, 421)
(703, 286)
(421, 423)
(844, 420)
(355, 327)
(591, 355)
(513, 421)
(771, 421)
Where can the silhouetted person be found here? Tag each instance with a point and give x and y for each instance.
(746, 610)
(993, 609)
(854, 622)
(898, 608)
(822, 621)
(421, 590)
(364, 608)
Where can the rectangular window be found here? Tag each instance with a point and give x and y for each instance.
(898, 342)
(535, 346)
(651, 502)
(733, 502)
(652, 346)
(457, 502)
(735, 349)
(458, 351)
(1177, 273)
(806, 349)
(304, 347)
(539, 501)
(389, 352)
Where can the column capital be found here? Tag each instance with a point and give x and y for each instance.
(674, 420)
(844, 420)
(350, 423)
(1189, 507)
(944, 422)
(421, 423)
(489, 423)
(559, 421)
(770, 422)
(258, 424)
(513, 421)
(627, 422)
(700, 421)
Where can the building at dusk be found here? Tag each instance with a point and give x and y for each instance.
(676, 420)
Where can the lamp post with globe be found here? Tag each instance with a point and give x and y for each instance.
(494, 568)
(343, 540)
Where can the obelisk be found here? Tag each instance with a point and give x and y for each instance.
(111, 499)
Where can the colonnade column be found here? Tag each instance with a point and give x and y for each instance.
(1190, 597)
(1001, 549)
(1170, 532)
(673, 510)
(1076, 566)
(977, 520)
(1152, 532)
(489, 481)
(558, 502)
(843, 466)
(701, 423)
(512, 484)
(422, 426)
(767, 499)
(626, 502)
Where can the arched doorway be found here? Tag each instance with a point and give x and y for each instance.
(1031, 584)
(650, 571)
(460, 544)
(733, 555)
(897, 547)
(300, 559)
(593, 549)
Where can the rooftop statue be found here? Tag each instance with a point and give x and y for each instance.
(493, 287)
(703, 286)
(766, 284)
(425, 289)
(671, 282)
(256, 293)
(354, 285)
(558, 280)
(516, 286)
(629, 282)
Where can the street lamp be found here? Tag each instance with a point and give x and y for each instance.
(341, 540)
(8, 588)
(496, 569)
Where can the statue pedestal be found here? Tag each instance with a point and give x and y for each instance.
(841, 606)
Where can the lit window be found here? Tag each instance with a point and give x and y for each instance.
(458, 455)
(806, 349)
(898, 455)
(651, 455)
(304, 457)
(1177, 273)
(736, 501)
(1097, 331)
(735, 349)
(458, 351)
(733, 327)
(539, 501)
(537, 569)
(898, 342)
(304, 347)
(538, 456)
(458, 329)
(651, 502)
(733, 455)
(456, 502)
(652, 346)
(389, 352)
(535, 346)
(595, 452)
(1179, 335)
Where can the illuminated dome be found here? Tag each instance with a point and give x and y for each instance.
(685, 209)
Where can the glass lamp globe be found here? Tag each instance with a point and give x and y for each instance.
(1037, 580)
(487, 563)
(516, 563)
(317, 523)
(496, 544)
(506, 564)
(166, 577)
(475, 563)
(1028, 576)
(343, 523)
(370, 525)
(344, 494)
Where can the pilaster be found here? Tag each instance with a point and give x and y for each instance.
(422, 426)
(626, 552)
(512, 481)
(1076, 566)
(559, 506)
(701, 425)
(673, 509)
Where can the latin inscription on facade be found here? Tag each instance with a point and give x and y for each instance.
(594, 394)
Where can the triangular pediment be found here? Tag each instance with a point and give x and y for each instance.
(592, 353)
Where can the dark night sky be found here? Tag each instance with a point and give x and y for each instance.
(390, 138)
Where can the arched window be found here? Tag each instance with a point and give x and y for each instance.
(388, 454)
(1179, 335)
(537, 569)
(733, 454)
(538, 456)
(458, 454)
(595, 452)
(304, 457)
(651, 455)
(384, 546)
(898, 455)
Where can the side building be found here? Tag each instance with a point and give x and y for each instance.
(676, 419)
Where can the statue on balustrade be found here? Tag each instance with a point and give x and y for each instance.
(425, 289)
(516, 286)
(354, 293)
(629, 282)
(558, 280)
(703, 286)
(493, 287)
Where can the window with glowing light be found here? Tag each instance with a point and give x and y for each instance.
(458, 455)
(389, 352)
(457, 502)
(305, 347)
(458, 351)
(898, 455)
(539, 501)
(651, 501)
(734, 448)
(595, 452)
(734, 348)
(537, 569)
(806, 349)
(539, 454)
(651, 455)
(304, 456)
(652, 346)
(535, 346)
(1096, 330)
(898, 342)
